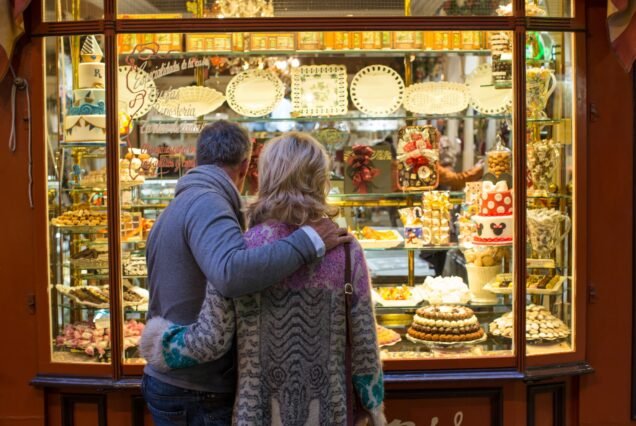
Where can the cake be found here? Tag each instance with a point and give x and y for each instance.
(86, 118)
(494, 223)
(445, 323)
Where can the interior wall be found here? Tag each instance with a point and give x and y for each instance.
(20, 404)
(605, 395)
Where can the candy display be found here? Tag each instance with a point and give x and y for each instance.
(541, 325)
(494, 223)
(435, 217)
(446, 324)
(545, 231)
(418, 155)
(499, 159)
(445, 290)
(543, 157)
(86, 118)
(540, 84)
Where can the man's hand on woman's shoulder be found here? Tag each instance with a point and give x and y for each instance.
(330, 233)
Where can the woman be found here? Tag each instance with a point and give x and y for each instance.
(291, 337)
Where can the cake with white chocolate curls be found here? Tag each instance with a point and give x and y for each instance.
(494, 223)
(86, 118)
(445, 323)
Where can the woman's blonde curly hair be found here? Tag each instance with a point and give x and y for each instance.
(293, 181)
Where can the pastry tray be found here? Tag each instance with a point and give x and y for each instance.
(383, 244)
(417, 297)
(138, 290)
(83, 229)
(386, 345)
(446, 344)
(543, 341)
(508, 290)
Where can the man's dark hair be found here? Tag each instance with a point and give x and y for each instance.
(222, 143)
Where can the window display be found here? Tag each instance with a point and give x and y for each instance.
(420, 130)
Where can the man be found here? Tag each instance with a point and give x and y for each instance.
(198, 240)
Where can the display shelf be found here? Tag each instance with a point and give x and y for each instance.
(82, 229)
(333, 118)
(90, 145)
(352, 53)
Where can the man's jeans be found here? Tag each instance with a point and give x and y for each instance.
(174, 406)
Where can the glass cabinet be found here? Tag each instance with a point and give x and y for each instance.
(454, 164)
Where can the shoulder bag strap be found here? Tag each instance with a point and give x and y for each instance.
(348, 292)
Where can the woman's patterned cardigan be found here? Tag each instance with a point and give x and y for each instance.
(291, 342)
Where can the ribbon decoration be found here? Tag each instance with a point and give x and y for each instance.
(489, 187)
(362, 171)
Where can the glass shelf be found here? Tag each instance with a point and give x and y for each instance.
(354, 53)
(331, 118)
(424, 248)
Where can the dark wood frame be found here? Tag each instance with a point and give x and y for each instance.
(558, 402)
(68, 401)
(110, 26)
(633, 397)
(494, 394)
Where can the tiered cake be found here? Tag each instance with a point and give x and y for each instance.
(445, 323)
(494, 223)
(86, 118)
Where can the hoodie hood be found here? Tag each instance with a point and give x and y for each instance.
(212, 178)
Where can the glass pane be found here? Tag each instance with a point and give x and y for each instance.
(551, 217)
(301, 8)
(72, 10)
(78, 231)
(404, 107)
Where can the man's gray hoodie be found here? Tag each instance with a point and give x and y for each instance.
(197, 240)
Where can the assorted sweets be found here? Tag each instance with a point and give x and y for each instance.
(402, 292)
(93, 340)
(418, 158)
(81, 217)
(445, 324)
(541, 325)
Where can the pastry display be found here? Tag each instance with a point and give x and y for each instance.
(95, 341)
(98, 296)
(369, 237)
(494, 223)
(541, 325)
(446, 324)
(418, 156)
(386, 336)
(482, 266)
(135, 266)
(86, 118)
(81, 217)
(445, 290)
(395, 293)
(91, 258)
(535, 284)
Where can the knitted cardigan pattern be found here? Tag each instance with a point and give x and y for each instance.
(291, 342)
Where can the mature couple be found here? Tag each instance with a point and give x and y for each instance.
(250, 328)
